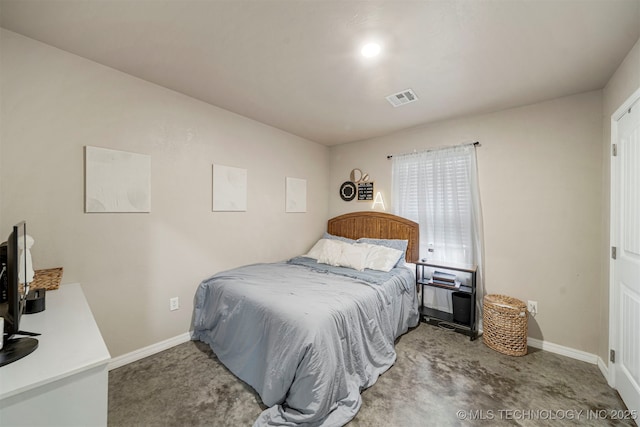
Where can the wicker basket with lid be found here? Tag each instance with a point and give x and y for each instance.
(505, 324)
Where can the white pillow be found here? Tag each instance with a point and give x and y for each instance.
(316, 250)
(331, 252)
(343, 254)
(381, 258)
(353, 256)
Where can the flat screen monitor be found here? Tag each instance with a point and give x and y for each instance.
(15, 278)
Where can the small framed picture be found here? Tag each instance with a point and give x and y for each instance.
(365, 191)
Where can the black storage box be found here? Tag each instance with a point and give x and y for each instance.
(461, 307)
(35, 301)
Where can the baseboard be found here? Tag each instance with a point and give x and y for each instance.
(604, 368)
(135, 355)
(564, 351)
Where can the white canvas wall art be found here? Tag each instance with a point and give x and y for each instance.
(229, 189)
(117, 181)
(296, 195)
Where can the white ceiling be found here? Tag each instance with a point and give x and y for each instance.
(295, 64)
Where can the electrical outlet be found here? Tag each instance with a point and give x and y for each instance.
(532, 307)
(174, 303)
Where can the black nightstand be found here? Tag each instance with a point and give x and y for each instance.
(466, 290)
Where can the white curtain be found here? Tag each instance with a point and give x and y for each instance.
(439, 190)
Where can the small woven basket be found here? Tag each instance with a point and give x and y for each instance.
(48, 279)
(505, 324)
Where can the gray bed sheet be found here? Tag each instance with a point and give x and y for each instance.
(306, 336)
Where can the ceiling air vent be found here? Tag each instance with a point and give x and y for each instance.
(401, 98)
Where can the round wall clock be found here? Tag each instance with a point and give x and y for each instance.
(348, 191)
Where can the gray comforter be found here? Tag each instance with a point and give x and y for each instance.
(306, 336)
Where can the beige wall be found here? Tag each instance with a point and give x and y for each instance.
(540, 169)
(624, 82)
(55, 103)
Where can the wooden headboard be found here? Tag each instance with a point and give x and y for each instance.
(377, 225)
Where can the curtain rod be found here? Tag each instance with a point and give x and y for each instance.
(477, 143)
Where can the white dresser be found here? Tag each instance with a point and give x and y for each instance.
(65, 380)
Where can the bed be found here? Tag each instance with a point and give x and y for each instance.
(308, 336)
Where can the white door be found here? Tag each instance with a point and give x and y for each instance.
(625, 219)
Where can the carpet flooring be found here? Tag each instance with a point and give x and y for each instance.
(440, 378)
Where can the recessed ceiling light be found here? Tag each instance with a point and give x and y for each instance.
(370, 50)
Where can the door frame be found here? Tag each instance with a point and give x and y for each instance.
(613, 229)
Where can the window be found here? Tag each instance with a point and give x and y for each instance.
(439, 190)
(434, 188)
